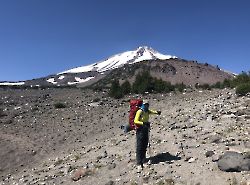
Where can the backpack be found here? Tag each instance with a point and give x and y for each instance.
(134, 106)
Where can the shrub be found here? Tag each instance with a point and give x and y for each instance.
(243, 89)
(227, 83)
(126, 87)
(59, 105)
(205, 87)
(115, 90)
(218, 85)
(143, 83)
(180, 87)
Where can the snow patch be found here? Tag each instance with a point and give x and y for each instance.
(52, 80)
(12, 83)
(61, 77)
(80, 80)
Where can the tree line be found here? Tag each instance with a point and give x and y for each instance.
(144, 82)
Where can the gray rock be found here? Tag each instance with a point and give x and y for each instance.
(209, 153)
(215, 139)
(233, 162)
(215, 157)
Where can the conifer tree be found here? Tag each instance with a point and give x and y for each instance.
(126, 87)
(115, 90)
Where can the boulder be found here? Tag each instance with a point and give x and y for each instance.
(233, 162)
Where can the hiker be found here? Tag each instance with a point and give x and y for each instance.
(141, 120)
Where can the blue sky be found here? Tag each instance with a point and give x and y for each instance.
(43, 37)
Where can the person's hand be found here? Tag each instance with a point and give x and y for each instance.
(159, 112)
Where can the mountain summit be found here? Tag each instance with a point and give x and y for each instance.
(129, 57)
(126, 65)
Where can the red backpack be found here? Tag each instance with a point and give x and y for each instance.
(134, 106)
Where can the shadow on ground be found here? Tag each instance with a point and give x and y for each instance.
(163, 157)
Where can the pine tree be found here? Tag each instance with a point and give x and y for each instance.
(115, 90)
(143, 83)
(126, 87)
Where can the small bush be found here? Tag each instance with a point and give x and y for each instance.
(243, 89)
(180, 87)
(115, 90)
(59, 105)
(218, 85)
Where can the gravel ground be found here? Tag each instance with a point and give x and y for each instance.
(83, 144)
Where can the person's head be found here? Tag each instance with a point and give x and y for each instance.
(145, 105)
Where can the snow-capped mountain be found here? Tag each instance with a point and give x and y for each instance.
(116, 61)
(126, 65)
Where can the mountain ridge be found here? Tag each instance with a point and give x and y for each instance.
(93, 73)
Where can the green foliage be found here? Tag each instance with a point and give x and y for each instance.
(59, 105)
(126, 87)
(161, 86)
(241, 82)
(227, 83)
(180, 87)
(115, 90)
(218, 85)
(205, 86)
(143, 83)
(240, 79)
(243, 89)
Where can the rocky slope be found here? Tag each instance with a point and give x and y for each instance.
(83, 144)
(175, 71)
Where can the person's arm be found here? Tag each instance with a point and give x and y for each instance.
(154, 112)
(137, 117)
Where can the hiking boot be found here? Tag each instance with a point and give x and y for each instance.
(149, 162)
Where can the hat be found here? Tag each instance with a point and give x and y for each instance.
(145, 102)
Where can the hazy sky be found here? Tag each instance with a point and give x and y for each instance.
(43, 37)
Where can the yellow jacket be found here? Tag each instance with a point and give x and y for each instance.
(142, 116)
